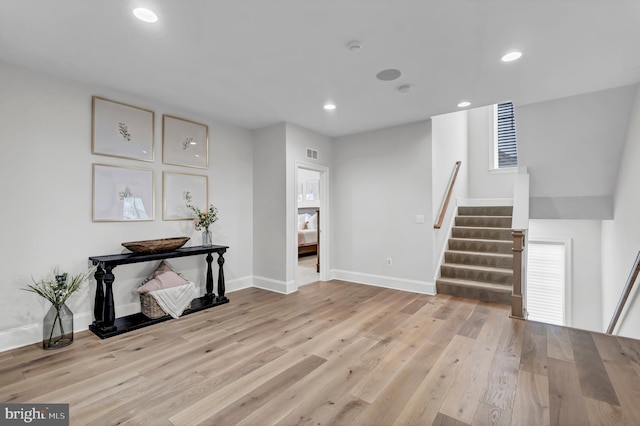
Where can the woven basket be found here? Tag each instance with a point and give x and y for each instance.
(150, 307)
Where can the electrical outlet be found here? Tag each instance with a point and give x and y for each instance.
(389, 261)
(419, 218)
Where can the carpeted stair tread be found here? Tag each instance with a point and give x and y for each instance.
(485, 210)
(492, 269)
(486, 292)
(482, 232)
(501, 255)
(487, 274)
(477, 284)
(461, 257)
(484, 221)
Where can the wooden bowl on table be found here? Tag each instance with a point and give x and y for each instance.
(156, 246)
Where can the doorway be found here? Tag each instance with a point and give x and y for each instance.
(311, 211)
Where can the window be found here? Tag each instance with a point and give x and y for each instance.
(548, 283)
(506, 149)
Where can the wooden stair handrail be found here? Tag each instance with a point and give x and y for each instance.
(633, 275)
(445, 204)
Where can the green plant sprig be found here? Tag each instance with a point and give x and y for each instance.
(58, 289)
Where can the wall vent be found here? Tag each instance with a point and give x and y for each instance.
(312, 154)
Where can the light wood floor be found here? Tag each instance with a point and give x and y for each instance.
(336, 353)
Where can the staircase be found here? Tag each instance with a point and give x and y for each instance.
(479, 261)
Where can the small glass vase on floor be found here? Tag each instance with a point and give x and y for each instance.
(57, 327)
(207, 238)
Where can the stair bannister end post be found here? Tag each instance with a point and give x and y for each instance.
(517, 305)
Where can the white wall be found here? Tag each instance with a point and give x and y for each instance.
(621, 236)
(586, 267)
(269, 207)
(483, 183)
(46, 219)
(449, 145)
(380, 181)
(572, 148)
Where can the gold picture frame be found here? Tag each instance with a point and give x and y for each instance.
(123, 194)
(121, 130)
(175, 187)
(185, 142)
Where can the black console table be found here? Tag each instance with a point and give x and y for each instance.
(107, 325)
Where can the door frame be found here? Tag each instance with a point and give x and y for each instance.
(324, 225)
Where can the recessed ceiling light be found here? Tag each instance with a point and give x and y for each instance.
(329, 107)
(388, 75)
(511, 56)
(464, 104)
(145, 15)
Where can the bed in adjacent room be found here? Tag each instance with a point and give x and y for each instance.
(308, 219)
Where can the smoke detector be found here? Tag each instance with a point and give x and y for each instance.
(404, 88)
(354, 46)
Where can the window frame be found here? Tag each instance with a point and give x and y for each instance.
(493, 161)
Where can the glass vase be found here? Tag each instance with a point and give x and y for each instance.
(207, 238)
(57, 330)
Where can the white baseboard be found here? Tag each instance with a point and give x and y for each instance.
(275, 285)
(414, 286)
(32, 333)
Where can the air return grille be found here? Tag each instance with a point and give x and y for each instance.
(312, 154)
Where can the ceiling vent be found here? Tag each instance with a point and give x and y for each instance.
(312, 154)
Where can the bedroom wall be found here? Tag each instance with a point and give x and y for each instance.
(621, 236)
(380, 181)
(46, 182)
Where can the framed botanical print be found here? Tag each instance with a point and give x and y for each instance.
(180, 188)
(184, 142)
(122, 194)
(121, 130)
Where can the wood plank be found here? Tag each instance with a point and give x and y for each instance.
(424, 405)
(565, 404)
(531, 404)
(444, 420)
(534, 349)
(264, 393)
(502, 377)
(559, 344)
(463, 397)
(391, 401)
(487, 414)
(624, 378)
(601, 413)
(594, 379)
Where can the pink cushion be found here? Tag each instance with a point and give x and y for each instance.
(164, 280)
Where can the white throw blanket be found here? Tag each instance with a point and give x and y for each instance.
(174, 300)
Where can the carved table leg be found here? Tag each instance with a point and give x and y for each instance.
(98, 308)
(109, 307)
(209, 293)
(221, 289)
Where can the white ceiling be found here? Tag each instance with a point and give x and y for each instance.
(255, 63)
